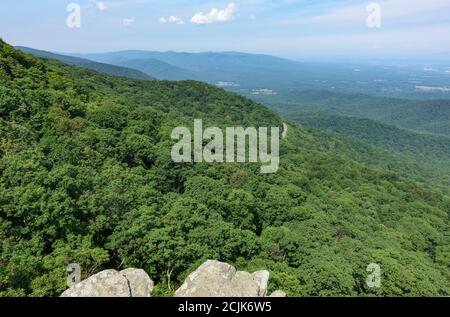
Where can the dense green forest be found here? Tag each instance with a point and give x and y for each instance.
(387, 136)
(423, 116)
(86, 176)
(424, 157)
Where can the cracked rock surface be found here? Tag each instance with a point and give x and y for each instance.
(218, 279)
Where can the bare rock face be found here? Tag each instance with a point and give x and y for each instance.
(278, 294)
(140, 283)
(211, 279)
(111, 283)
(217, 279)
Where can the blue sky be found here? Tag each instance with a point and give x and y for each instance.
(292, 28)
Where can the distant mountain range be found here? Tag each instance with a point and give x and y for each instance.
(155, 68)
(243, 72)
(264, 74)
(99, 67)
(248, 70)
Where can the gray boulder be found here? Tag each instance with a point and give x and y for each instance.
(211, 279)
(140, 283)
(111, 283)
(217, 279)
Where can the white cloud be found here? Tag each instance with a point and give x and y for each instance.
(102, 6)
(172, 19)
(252, 17)
(175, 19)
(128, 21)
(215, 15)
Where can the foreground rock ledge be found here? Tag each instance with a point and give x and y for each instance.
(211, 279)
(217, 279)
(111, 283)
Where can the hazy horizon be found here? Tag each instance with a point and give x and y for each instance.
(294, 29)
(434, 58)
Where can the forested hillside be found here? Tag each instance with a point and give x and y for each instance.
(386, 136)
(99, 67)
(86, 176)
(425, 116)
(424, 157)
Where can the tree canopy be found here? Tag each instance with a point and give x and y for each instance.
(86, 176)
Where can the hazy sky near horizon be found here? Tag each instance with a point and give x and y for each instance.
(293, 28)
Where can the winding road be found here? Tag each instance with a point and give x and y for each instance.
(285, 130)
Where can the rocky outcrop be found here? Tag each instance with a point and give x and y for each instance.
(111, 283)
(217, 279)
(139, 282)
(211, 279)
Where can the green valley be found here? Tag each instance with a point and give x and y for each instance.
(424, 116)
(86, 176)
